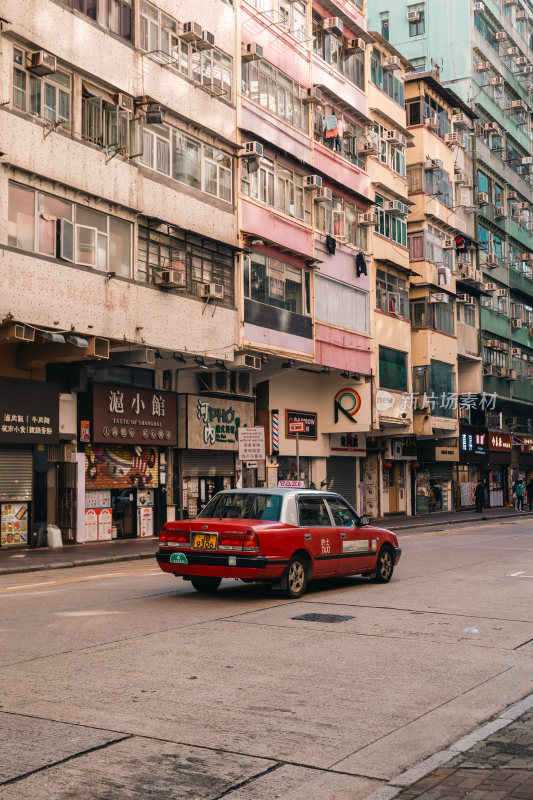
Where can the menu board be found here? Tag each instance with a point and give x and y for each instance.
(14, 523)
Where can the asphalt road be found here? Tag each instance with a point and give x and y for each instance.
(121, 682)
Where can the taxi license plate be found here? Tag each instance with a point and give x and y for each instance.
(205, 541)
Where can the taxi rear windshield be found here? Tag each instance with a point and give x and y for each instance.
(244, 506)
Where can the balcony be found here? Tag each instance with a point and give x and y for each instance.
(267, 224)
(277, 329)
(493, 322)
(342, 349)
(324, 75)
(341, 167)
(259, 122)
(521, 280)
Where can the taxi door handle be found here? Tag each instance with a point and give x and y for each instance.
(343, 536)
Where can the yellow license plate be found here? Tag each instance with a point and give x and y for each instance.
(205, 541)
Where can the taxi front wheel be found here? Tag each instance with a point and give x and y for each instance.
(295, 578)
(384, 566)
(206, 585)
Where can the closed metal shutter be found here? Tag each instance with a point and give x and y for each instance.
(342, 477)
(197, 463)
(442, 472)
(16, 473)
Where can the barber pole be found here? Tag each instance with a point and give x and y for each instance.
(275, 431)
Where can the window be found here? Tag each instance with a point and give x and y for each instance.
(389, 225)
(437, 316)
(392, 369)
(342, 514)
(271, 281)
(483, 182)
(197, 261)
(41, 223)
(441, 386)
(115, 15)
(427, 107)
(158, 31)
(340, 304)
(279, 187)
(48, 98)
(294, 18)
(109, 126)
(340, 218)
(437, 183)
(385, 28)
(386, 80)
(244, 506)
(312, 513)
(188, 160)
(393, 155)
(333, 49)
(417, 27)
(275, 91)
(392, 293)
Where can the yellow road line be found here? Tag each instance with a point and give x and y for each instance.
(69, 580)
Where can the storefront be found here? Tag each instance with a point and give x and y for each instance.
(435, 486)
(126, 459)
(473, 464)
(29, 421)
(497, 479)
(344, 466)
(206, 461)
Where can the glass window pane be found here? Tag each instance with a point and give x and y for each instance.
(21, 217)
(19, 89)
(392, 369)
(50, 106)
(86, 246)
(120, 247)
(91, 218)
(35, 96)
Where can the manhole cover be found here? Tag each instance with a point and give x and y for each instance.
(324, 617)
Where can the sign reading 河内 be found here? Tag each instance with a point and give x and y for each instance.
(212, 423)
(309, 420)
(252, 443)
(29, 412)
(125, 415)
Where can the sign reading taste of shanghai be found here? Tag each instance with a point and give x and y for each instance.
(29, 412)
(125, 415)
(210, 423)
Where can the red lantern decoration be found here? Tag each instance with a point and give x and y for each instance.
(414, 465)
(387, 464)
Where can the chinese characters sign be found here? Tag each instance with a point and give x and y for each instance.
(501, 441)
(123, 415)
(473, 444)
(252, 444)
(29, 412)
(209, 423)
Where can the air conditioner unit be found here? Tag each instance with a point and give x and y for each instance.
(252, 52)
(502, 292)
(395, 137)
(369, 148)
(526, 160)
(521, 14)
(171, 278)
(448, 244)
(433, 164)
(453, 138)
(516, 323)
(511, 194)
(527, 70)
(191, 32)
(462, 178)
(439, 297)
(17, 332)
(491, 127)
(253, 149)
(503, 372)
(313, 95)
(124, 101)
(413, 16)
(525, 257)
(469, 300)
(512, 376)
(393, 62)
(207, 290)
(500, 212)
(333, 25)
(521, 61)
(323, 195)
(313, 182)
(516, 351)
(492, 343)
(483, 198)
(248, 361)
(497, 81)
(490, 369)
(482, 66)
(518, 105)
(368, 219)
(355, 46)
(462, 298)
(489, 287)
(479, 6)
(461, 121)
(395, 207)
(512, 51)
(42, 63)
(501, 36)
(432, 123)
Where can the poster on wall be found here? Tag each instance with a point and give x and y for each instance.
(120, 467)
(13, 523)
(146, 521)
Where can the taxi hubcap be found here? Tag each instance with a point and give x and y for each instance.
(386, 564)
(296, 576)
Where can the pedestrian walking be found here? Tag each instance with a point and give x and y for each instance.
(518, 491)
(529, 493)
(480, 495)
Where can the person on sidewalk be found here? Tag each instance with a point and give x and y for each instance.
(529, 493)
(480, 495)
(518, 491)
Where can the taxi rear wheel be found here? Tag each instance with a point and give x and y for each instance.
(384, 566)
(295, 579)
(206, 585)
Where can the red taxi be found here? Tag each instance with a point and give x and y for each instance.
(280, 536)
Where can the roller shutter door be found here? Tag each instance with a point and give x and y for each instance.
(342, 477)
(197, 463)
(16, 473)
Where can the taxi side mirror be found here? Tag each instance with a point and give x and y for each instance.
(364, 521)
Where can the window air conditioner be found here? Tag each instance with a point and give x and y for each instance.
(525, 257)
(333, 25)
(511, 194)
(253, 149)
(42, 63)
(461, 121)
(395, 207)
(433, 164)
(502, 292)
(521, 61)
(207, 290)
(313, 95)
(368, 218)
(497, 81)
(500, 212)
(526, 161)
(512, 51)
(453, 138)
(512, 376)
(501, 36)
(323, 195)
(521, 14)
(395, 137)
(171, 278)
(448, 244)
(313, 182)
(355, 46)
(123, 101)
(413, 16)
(248, 361)
(461, 298)
(482, 66)
(527, 70)
(490, 369)
(469, 300)
(432, 123)
(516, 351)
(393, 62)
(191, 32)
(252, 52)
(489, 287)
(483, 198)
(492, 343)
(491, 127)
(517, 105)
(439, 297)
(479, 6)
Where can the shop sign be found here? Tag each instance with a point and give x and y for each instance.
(348, 443)
(500, 441)
(310, 424)
(348, 403)
(409, 446)
(208, 423)
(85, 430)
(473, 444)
(526, 442)
(252, 443)
(29, 412)
(126, 415)
(446, 454)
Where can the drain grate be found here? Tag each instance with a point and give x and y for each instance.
(324, 617)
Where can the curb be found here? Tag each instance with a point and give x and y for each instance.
(77, 563)
(382, 523)
(396, 785)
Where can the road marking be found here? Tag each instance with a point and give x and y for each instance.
(28, 586)
(63, 582)
(514, 574)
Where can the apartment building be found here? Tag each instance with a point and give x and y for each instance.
(118, 255)
(490, 67)
(304, 191)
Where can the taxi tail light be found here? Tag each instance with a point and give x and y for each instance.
(178, 537)
(230, 540)
(163, 535)
(251, 542)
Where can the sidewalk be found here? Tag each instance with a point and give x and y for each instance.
(14, 560)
